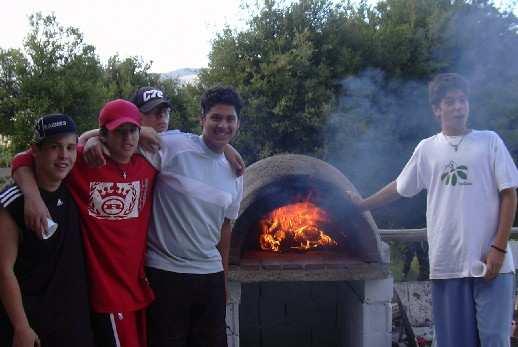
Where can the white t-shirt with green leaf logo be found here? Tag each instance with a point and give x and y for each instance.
(462, 197)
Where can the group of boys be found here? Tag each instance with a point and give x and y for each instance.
(201, 197)
(469, 176)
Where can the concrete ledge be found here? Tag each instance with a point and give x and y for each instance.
(362, 271)
(413, 235)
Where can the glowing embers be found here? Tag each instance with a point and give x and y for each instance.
(295, 227)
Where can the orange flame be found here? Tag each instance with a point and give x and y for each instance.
(295, 226)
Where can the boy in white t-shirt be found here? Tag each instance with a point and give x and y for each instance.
(196, 197)
(471, 183)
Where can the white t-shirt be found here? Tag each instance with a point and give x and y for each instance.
(194, 192)
(463, 197)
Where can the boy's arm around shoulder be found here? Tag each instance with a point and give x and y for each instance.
(149, 139)
(171, 142)
(161, 147)
(35, 211)
(87, 135)
(235, 160)
(10, 293)
(94, 151)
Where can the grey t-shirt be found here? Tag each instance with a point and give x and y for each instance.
(195, 191)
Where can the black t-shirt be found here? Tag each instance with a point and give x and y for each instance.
(51, 273)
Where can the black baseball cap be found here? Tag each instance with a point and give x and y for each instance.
(147, 98)
(53, 124)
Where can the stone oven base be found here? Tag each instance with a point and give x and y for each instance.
(310, 314)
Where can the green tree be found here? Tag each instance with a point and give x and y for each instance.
(185, 105)
(13, 66)
(58, 72)
(55, 72)
(124, 76)
(279, 67)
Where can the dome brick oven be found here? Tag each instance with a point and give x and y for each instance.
(306, 267)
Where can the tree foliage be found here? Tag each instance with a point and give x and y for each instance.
(57, 71)
(122, 75)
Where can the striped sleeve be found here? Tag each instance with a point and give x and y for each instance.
(10, 195)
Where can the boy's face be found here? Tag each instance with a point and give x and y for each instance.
(453, 111)
(220, 125)
(157, 118)
(55, 157)
(122, 142)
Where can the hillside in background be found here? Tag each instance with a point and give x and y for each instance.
(184, 75)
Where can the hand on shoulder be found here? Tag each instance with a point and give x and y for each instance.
(94, 152)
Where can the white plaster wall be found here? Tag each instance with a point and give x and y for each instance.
(368, 313)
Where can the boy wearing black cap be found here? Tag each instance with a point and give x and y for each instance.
(43, 284)
(154, 107)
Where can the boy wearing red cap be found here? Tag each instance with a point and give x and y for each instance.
(114, 203)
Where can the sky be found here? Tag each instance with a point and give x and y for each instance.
(173, 34)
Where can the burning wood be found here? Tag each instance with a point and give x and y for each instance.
(297, 226)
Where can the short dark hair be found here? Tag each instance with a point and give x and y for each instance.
(220, 95)
(443, 83)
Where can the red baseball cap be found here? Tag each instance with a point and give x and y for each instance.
(117, 112)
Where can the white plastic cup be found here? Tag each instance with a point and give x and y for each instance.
(51, 229)
(478, 269)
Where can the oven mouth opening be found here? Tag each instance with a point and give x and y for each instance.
(299, 215)
(289, 179)
(300, 226)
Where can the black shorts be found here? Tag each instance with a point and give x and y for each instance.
(189, 309)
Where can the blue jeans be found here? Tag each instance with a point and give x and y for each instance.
(473, 312)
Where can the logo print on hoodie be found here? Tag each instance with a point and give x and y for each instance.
(109, 200)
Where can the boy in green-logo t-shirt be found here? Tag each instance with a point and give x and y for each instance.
(471, 181)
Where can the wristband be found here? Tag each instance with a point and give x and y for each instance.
(499, 249)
